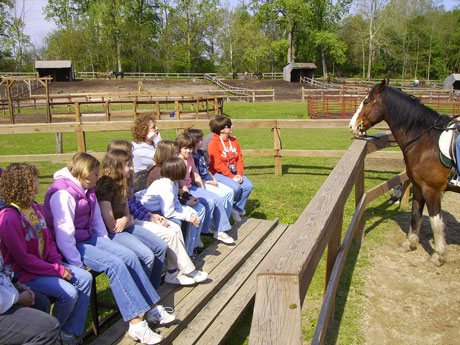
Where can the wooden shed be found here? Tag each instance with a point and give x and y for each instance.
(59, 70)
(296, 70)
(452, 82)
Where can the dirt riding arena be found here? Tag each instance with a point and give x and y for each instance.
(283, 89)
(406, 299)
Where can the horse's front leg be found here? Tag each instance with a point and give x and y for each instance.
(411, 241)
(433, 203)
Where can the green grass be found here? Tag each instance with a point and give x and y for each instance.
(302, 177)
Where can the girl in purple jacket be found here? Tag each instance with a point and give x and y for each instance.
(29, 248)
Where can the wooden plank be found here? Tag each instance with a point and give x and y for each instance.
(207, 260)
(215, 321)
(186, 309)
(384, 187)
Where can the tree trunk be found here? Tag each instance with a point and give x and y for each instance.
(323, 60)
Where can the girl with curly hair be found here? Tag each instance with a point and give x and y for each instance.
(146, 137)
(112, 191)
(74, 214)
(29, 248)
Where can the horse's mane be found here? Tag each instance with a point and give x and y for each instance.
(407, 111)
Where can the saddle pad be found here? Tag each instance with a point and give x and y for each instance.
(445, 144)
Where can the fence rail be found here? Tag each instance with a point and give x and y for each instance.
(283, 281)
(275, 126)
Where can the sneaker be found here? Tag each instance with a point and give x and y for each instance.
(198, 276)
(242, 213)
(223, 237)
(200, 244)
(178, 278)
(236, 216)
(159, 315)
(141, 332)
(70, 339)
(455, 182)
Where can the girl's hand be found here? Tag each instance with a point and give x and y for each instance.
(192, 202)
(195, 220)
(212, 183)
(238, 178)
(67, 275)
(157, 219)
(26, 298)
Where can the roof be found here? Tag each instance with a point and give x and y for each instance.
(53, 64)
(456, 76)
(309, 65)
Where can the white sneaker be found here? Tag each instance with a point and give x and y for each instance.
(236, 216)
(455, 182)
(200, 244)
(242, 213)
(223, 237)
(178, 278)
(198, 276)
(141, 332)
(159, 315)
(70, 339)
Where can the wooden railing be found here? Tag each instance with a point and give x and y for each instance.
(275, 126)
(283, 281)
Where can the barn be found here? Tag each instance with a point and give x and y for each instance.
(294, 71)
(452, 82)
(59, 70)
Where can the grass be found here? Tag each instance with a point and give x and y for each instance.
(302, 177)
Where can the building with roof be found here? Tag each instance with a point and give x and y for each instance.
(294, 71)
(452, 83)
(59, 70)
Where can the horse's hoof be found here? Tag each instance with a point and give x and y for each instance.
(406, 246)
(437, 259)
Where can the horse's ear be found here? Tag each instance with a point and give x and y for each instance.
(381, 86)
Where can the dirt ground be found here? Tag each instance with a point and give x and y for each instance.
(283, 90)
(407, 300)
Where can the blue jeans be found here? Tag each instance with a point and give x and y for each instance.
(218, 215)
(241, 190)
(226, 194)
(72, 298)
(209, 205)
(130, 285)
(149, 248)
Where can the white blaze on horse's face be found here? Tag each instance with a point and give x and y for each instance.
(354, 120)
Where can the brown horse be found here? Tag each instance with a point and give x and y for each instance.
(416, 128)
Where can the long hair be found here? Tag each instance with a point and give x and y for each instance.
(165, 149)
(18, 184)
(120, 144)
(113, 167)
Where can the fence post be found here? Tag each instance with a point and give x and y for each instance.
(177, 109)
(276, 148)
(81, 138)
(135, 106)
(253, 96)
(107, 111)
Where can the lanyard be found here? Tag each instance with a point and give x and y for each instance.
(226, 150)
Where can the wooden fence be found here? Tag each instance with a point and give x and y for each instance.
(275, 126)
(283, 281)
(327, 105)
(77, 107)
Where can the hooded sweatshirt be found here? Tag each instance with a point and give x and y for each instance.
(73, 214)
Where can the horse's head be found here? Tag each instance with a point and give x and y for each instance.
(369, 112)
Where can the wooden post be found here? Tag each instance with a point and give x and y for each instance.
(333, 246)
(81, 138)
(177, 110)
(157, 104)
(9, 85)
(48, 108)
(216, 106)
(253, 96)
(197, 108)
(276, 148)
(135, 107)
(107, 110)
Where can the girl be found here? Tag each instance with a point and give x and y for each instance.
(180, 268)
(225, 192)
(162, 195)
(73, 213)
(30, 250)
(112, 191)
(146, 137)
(226, 163)
(215, 210)
(165, 149)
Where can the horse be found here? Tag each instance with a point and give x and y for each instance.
(416, 128)
(117, 74)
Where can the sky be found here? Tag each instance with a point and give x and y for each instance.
(37, 27)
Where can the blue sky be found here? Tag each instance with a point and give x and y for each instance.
(37, 27)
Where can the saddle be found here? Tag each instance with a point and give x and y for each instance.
(447, 150)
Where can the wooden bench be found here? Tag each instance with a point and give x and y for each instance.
(207, 312)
